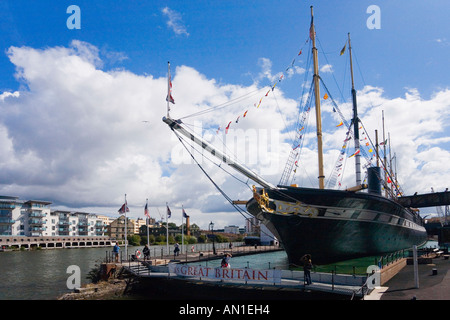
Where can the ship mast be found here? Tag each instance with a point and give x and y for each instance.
(176, 126)
(312, 33)
(355, 121)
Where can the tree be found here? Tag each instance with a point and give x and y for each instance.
(202, 239)
(134, 240)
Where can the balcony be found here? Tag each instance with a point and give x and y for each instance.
(38, 214)
(6, 220)
(7, 205)
(40, 229)
(38, 222)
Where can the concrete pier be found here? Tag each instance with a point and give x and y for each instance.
(56, 242)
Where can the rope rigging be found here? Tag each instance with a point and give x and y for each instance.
(236, 207)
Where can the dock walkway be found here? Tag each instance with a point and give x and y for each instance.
(434, 283)
(205, 255)
(155, 274)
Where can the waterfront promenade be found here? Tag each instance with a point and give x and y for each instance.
(434, 283)
(197, 254)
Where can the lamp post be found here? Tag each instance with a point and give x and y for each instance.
(211, 228)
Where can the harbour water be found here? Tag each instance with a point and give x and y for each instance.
(42, 274)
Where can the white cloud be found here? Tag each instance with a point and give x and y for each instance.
(75, 135)
(326, 68)
(175, 21)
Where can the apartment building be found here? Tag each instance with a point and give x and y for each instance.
(34, 218)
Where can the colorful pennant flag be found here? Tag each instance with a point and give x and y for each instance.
(343, 49)
(354, 154)
(228, 127)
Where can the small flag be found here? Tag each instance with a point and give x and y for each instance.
(228, 127)
(300, 52)
(146, 210)
(343, 49)
(325, 96)
(170, 98)
(384, 142)
(259, 103)
(245, 113)
(169, 213)
(124, 208)
(237, 120)
(354, 154)
(184, 214)
(311, 29)
(340, 124)
(169, 93)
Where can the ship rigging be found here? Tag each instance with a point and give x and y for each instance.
(331, 225)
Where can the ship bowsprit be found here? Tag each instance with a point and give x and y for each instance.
(334, 225)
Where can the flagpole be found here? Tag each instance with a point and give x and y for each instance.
(126, 242)
(312, 34)
(148, 216)
(355, 120)
(167, 229)
(182, 229)
(168, 88)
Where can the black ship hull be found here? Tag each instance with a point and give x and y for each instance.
(334, 225)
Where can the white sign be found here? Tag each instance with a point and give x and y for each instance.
(226, 274)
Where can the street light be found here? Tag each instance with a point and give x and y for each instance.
(211, 228)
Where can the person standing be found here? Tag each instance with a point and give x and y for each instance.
(116, 252)
(146, 252)
(307, 266)
(225, 263)
(176, 250)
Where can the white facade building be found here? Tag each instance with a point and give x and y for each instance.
(231, 229)
(34, 218)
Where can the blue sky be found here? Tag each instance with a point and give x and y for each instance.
(224, 39)
(60, 87)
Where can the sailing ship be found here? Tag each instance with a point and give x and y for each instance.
(330, 225)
